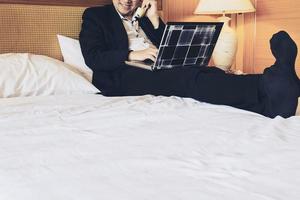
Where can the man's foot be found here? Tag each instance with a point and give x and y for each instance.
(280, 81)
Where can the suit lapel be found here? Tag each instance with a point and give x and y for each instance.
(118, 30)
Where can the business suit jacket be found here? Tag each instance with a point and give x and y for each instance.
(104, 44)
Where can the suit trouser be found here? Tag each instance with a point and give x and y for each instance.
(207, 84)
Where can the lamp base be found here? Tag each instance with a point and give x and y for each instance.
(226, 47)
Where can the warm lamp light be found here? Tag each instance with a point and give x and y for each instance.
(226, 47)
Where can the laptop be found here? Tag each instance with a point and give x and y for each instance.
(184, 44)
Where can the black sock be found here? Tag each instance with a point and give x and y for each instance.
(284, 49)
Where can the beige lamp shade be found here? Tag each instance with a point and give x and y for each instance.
(224, 7)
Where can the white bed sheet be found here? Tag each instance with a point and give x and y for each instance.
(90, 147)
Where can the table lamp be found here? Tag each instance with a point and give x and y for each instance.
(226, 47)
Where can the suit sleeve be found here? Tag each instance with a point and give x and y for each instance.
(155, 35)
(160, 30)
(96, 53)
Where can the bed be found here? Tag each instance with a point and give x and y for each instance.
(83, 146)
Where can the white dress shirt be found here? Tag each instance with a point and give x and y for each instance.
(137, 38)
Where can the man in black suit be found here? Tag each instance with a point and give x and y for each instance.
(110, 36)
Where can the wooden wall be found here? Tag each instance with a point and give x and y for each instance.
(272, 16)
(254, 29)
(182, 10)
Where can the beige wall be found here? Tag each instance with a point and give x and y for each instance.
(272, 16)
(254, 30)
(182, 10)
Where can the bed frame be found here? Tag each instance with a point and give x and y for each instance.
(31, 26)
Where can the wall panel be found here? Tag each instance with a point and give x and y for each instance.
(273, 16)
(182, 10)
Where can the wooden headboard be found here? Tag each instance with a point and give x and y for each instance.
(83, 3)
(86, 3)
(33, 28)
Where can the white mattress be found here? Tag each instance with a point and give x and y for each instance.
(144, 148)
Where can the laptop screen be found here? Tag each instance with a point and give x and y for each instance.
(187, 43)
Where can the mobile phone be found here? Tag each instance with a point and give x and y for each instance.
(140, 12)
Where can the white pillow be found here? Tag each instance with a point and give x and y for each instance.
(23, 74)
(71, 52)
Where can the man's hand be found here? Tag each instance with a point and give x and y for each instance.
(152, 12)
(150, 53)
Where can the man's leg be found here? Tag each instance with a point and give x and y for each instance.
(273, 93)
(207, 85)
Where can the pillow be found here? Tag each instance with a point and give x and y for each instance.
(71, 52)
(25, 74)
